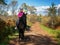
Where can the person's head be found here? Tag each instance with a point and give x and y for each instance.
(21, 9)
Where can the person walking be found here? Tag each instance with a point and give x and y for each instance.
(21, 25)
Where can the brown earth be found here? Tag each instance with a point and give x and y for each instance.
(36, 36)
(58, 28)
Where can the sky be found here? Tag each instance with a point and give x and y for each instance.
(40, 5)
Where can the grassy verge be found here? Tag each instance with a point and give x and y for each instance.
(55, 33)
(13, 36)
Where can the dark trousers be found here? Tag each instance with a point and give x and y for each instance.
(21, 34)
(21, 30)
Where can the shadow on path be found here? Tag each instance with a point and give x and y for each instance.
(33, 40)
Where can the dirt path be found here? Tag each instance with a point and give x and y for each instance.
(36, 36)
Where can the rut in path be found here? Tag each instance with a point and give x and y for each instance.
(36, 36)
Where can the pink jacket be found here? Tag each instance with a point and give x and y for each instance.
(20, 14)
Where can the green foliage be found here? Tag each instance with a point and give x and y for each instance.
(52, 10)
(54, 33)
(52, 13)
(28, 8)
(50, 31)
(2, 2)
(5, 30)
(33, 18)
(39, 18)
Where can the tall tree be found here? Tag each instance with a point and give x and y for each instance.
(52, 10)
(24, 6)
(13, 6)
(2, 9)
(58, 11)
(28, 8)
(52, 14)
(2, 2)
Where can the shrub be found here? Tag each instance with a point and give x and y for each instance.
(5, 30)
(49, 22)
(2, 29)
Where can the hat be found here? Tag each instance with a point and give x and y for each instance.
(21, 8)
